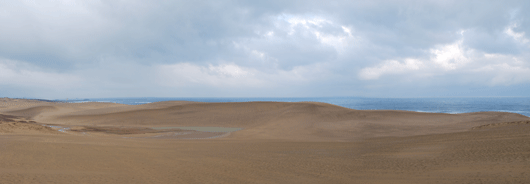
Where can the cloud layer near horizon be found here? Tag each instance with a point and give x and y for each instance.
(63, 48)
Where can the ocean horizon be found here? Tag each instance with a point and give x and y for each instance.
(451, 105)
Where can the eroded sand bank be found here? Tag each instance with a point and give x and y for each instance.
(271, 142)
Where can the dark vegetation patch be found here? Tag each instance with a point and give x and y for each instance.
(7, 118)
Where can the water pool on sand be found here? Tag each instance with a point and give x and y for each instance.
(202, 129)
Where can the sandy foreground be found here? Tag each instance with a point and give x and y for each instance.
(256, 142)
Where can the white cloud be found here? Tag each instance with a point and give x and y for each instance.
(390, 67)
(472, 66)
(503, 70)
(229, 70)
(232, 75)
(450, 56)
(517, 36)
(319, 28)
(304, 21)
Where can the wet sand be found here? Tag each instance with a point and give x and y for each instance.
(268, 142)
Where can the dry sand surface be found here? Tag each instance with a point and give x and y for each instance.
(256, 142)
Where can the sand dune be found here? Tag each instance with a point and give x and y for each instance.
(305, 121)
(279, 142)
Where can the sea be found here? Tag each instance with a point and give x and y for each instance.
(454, 105)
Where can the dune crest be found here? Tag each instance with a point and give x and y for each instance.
(32, 111)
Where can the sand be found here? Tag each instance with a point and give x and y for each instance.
(260, 142)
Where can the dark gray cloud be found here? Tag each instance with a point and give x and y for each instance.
(69, 48)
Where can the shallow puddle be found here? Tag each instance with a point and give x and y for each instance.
(163, 132)
(59, 128)
(202, 129)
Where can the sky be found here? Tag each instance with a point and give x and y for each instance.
(58, 49)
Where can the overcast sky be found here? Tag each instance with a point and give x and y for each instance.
(89, 49)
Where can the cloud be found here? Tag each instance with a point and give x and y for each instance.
(510, 71)
(390, 67)
(230, 75)
(294, 40)
(19, 73)
(517, 36)
(20, 79)
(455, 60)
(227, 75)
(248, 48)
(449, 57)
